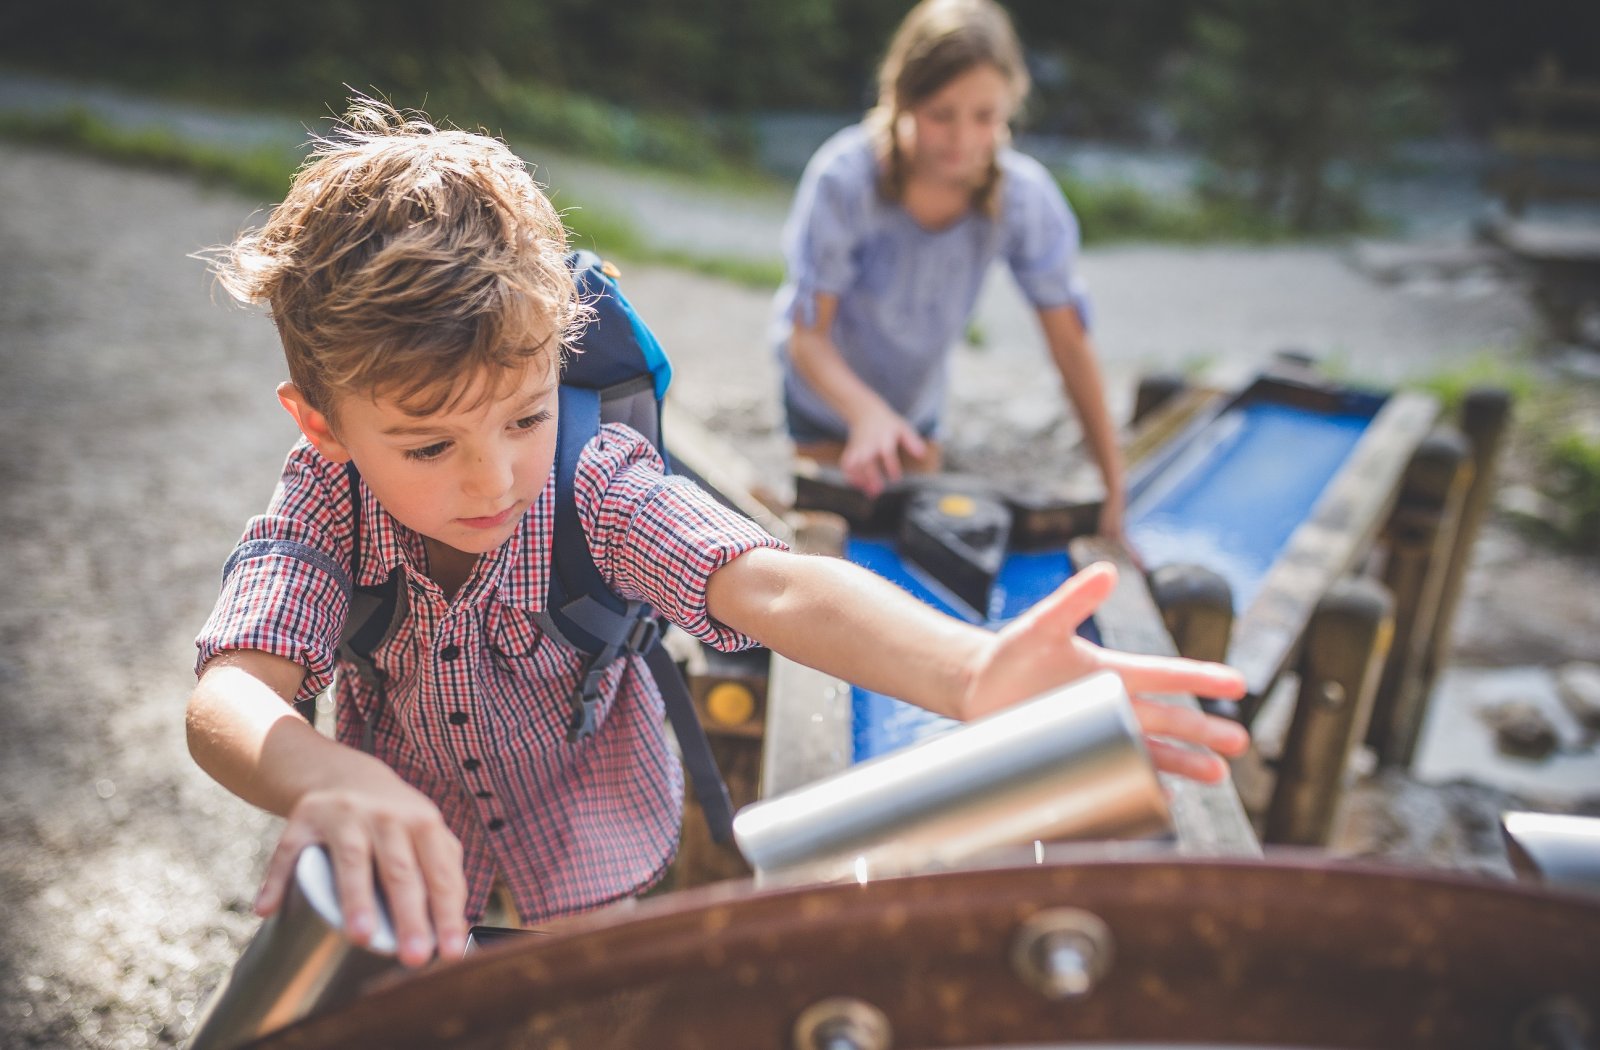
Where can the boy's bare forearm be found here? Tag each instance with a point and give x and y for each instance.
(829, 614)
(242, 731)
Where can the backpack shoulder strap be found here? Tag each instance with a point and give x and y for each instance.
(375, 610)
(622, 377)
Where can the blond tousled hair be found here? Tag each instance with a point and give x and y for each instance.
(936, 42)
(405, 261)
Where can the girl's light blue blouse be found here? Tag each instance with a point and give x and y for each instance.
(905, 292)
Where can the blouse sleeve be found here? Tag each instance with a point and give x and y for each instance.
(824, 226)
(1042, 239)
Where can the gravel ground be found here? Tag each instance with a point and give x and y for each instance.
(138, 431)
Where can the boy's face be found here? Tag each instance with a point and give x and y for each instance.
(463, 476)
(955, 131)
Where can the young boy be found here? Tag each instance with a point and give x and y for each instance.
(418, 281)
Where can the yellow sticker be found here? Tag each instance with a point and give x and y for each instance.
(957, 506)
(730, 704)
(607, 268)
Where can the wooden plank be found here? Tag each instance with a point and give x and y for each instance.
(1327, 545)
(808, 728)
(1159, 427)
(721, 469)
(1210, 819)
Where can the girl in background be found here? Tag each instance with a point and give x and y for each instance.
(894, 226)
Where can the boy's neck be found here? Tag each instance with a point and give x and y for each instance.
(448, 567)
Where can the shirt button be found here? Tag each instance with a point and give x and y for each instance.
(450, 652)
(458, 718)
(496, 824)
(471, 764)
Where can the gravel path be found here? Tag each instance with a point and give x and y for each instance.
(138, 431)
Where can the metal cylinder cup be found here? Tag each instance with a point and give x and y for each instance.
(1069, 764)
(297, 964)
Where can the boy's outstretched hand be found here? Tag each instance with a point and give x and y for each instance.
(1042, 650)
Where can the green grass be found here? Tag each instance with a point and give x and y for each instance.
(1451, 385)
(266, 173)
(1551, 433)
(1114, 210)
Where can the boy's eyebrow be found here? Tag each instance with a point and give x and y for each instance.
(425, 427)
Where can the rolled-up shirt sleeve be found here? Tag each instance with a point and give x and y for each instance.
(657, 538)
(1042, 239)
(283, 591)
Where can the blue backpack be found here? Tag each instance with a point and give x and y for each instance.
(617, 374)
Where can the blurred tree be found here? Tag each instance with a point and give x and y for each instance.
(1098, 64)
(1282, 98)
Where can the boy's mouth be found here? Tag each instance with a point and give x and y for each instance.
(490, 522)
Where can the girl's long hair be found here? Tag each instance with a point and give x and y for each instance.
(937, 42)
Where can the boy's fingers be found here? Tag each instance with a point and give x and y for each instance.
(352, 874)
(1076, 600)
(440, 854)
(1194, 727)
(1187, 762)
(279, 870)
(406, 894)
(1172, 674)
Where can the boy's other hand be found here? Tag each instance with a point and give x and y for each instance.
(872, 451)
(1042, 650)
(387, 824)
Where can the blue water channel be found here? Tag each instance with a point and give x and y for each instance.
(1229, 499)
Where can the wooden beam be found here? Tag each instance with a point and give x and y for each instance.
(1328, 544)
(721, 469)
(1210, 819)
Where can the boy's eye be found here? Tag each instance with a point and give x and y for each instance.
(532, 422)
(433, 451)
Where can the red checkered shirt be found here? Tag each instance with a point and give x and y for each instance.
(475, 707)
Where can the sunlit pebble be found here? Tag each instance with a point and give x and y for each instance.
(104, 788)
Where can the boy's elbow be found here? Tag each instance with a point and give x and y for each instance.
(748, 592)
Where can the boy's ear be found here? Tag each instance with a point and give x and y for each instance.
(312, 423)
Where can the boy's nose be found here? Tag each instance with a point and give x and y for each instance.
(488, 476)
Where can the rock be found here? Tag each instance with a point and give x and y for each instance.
(1522, 729)
(1578, 685)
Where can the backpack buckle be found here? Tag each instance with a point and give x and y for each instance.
(582, 722)
(643, 635)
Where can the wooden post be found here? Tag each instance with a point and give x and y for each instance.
(1345, 645)
(1421, 537)
(1485, 414)
(1197, 606)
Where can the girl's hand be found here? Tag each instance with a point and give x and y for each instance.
(1042, 650)
(389, 824)
(872, 452)
(1113, 523)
